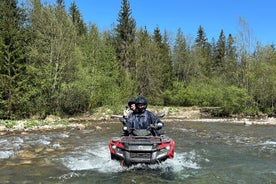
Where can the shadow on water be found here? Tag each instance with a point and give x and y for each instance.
(204, 153)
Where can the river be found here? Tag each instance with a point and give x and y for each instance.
(205, 152)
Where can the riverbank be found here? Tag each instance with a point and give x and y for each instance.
(100, 117)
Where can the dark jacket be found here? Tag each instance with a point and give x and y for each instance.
(142, 121)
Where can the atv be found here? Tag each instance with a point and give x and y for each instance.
(141, 146)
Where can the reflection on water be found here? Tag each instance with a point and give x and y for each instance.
(204, 153)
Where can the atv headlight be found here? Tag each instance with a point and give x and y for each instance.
(114, 147)
(168, 148)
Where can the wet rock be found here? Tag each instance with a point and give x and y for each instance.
(27, 147)
(80, 127)
(247, 123)
(98, 128)
(2, 128)
(62, 149)
(39, 149)
(56, 145)
(3, 133)
(26, 162)
(26, 154)
(24, 133)
(50, 150)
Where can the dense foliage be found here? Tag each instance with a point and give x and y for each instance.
(51, 62)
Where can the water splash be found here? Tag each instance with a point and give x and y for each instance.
(268, 147)
(6, 154)
(9, 146)
(99, 159)
(269, 142)
(182, 161)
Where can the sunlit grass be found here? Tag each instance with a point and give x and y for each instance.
(31, 123)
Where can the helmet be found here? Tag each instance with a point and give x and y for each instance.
(131, 101)
(141, 100)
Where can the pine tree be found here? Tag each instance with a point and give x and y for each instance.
(76, 18)
(182, 65)
(60, 4)
(202, 54)
(201, 41)
(13, 41)
(231, 64)
(165, 66)
(219, 57)
(125, 36)
(148, 85)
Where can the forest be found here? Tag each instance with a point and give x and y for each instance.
(53, 63)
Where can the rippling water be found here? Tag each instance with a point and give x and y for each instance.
(205, 153)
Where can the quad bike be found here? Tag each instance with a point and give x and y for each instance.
(141, 146)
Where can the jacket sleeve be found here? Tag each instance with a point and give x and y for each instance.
(129, 121)
(155, 120)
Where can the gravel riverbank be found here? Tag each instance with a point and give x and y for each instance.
(94, 120)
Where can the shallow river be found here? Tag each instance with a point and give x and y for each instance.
(211, 152)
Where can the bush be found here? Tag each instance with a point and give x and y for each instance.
(235, 100)
(231, 99)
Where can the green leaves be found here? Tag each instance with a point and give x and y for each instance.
(12, 60)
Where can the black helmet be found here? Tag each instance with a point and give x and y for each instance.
(141, 100)
(131, 101)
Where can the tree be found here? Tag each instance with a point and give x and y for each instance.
(218, 63)
(201, 40)
(182, 65)
(50, 54)
(60, 4)
(164, 58)
(125, 36)
(148, 67)
(264, 79)
(231, 65)
(244, 48)
(202, 54)
(76, 18)
(99, 70)
(13, 42)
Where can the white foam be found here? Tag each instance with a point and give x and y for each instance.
(93, 159)
(3, 140)
(6, 154)
(99, 159)
(57, 145)
(183, 161)
(269, 143)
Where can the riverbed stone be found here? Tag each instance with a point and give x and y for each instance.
(50, 150)
(98, 128)
(26, 162)
(80, 127)
(26, 154)
(2, 128)
(39, 149)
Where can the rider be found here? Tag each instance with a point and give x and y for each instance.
(130, 106)
(141, 118)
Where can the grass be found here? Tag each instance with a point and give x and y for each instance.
(31, 123)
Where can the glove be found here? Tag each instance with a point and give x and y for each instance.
(126, 113)
(125, 128)
(159, 125)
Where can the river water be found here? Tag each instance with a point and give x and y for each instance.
(205, 152)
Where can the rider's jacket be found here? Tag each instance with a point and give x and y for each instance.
(142, 120)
